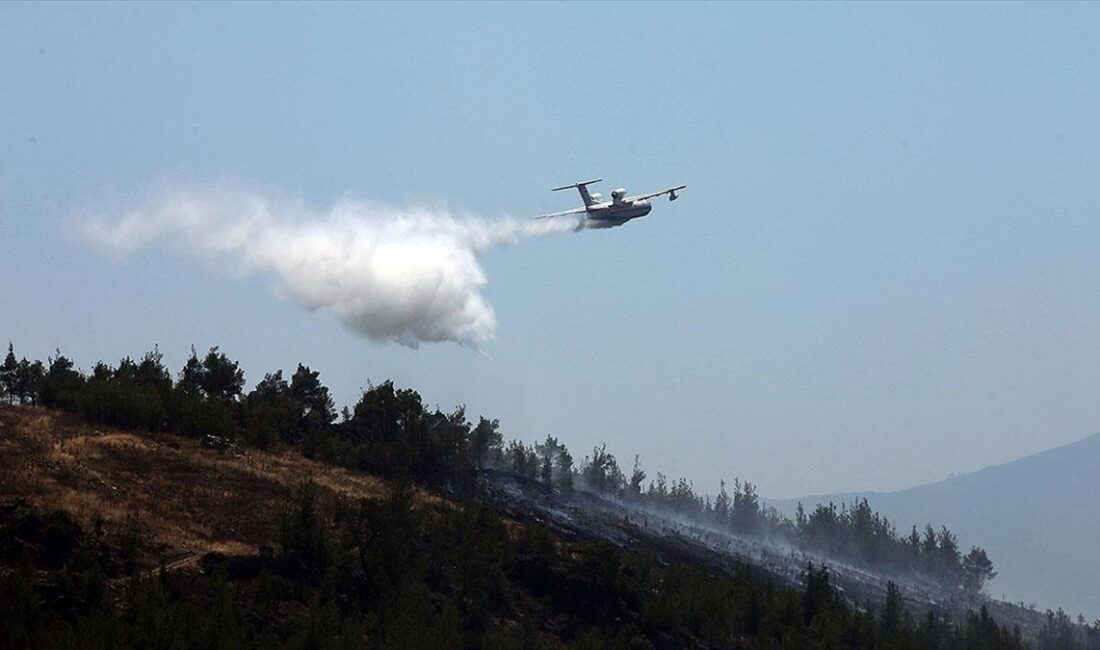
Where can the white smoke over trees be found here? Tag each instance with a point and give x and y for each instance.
(405, 275)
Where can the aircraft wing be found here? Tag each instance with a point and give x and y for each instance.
(670, 191)
(561, 214)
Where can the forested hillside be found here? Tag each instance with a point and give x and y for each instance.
(413, 557)
(390, 432)
(1037, 515)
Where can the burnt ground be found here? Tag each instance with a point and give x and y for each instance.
(585, 516)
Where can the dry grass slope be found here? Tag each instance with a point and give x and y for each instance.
(185, 499)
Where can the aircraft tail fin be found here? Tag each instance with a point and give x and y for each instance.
(582, 187)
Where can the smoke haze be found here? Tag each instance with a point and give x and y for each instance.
(405, 275)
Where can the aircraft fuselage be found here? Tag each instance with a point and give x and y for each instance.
(609, 215)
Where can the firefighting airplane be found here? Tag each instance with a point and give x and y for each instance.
(608, 214)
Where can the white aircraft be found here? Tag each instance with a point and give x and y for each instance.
(608, 214)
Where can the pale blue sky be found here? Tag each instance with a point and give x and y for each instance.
(884, 268)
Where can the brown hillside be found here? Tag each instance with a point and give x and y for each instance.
(185, 499)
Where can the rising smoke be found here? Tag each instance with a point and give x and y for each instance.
(405, 275)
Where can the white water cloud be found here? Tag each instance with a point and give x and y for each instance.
(405, 275)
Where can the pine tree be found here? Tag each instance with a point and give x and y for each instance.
(977, 569)
(28, 380)
(636, 478)
(189, 378)
(893, 609)
(221, 378)
(313, 402)
(8, 376)
(63, 385)
(950, 563)
(547, 451)
(485, 438)
(723, 503)
(565, 469)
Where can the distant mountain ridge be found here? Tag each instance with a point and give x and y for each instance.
(1038, 517)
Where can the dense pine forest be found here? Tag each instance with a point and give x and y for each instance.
(407, 573)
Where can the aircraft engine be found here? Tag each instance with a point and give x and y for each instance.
(617, 195)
